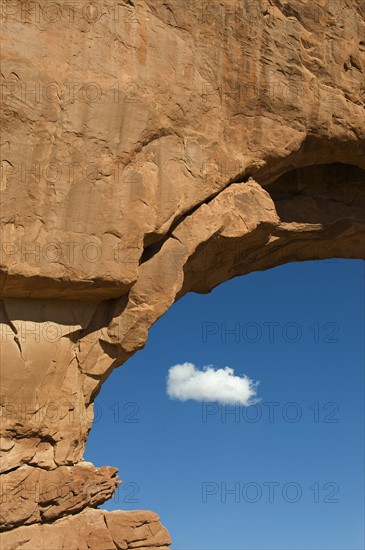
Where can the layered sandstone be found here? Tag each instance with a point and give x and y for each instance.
(150, 149)
(99, 529)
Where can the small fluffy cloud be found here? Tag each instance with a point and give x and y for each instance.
(186, 381)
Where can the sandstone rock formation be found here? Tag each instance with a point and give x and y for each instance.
(151, 148)
(93, 529)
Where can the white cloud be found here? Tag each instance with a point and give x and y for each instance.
(186, 381)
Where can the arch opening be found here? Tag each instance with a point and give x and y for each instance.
(298, 325)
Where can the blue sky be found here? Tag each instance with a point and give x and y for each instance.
(284, 473)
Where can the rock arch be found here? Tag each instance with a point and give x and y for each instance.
(118, 207)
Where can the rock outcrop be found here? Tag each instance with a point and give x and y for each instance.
(99, 529)
(152, 148)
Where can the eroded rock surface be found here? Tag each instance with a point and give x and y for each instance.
(150, 149)
(32, 495)
(93, 529)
